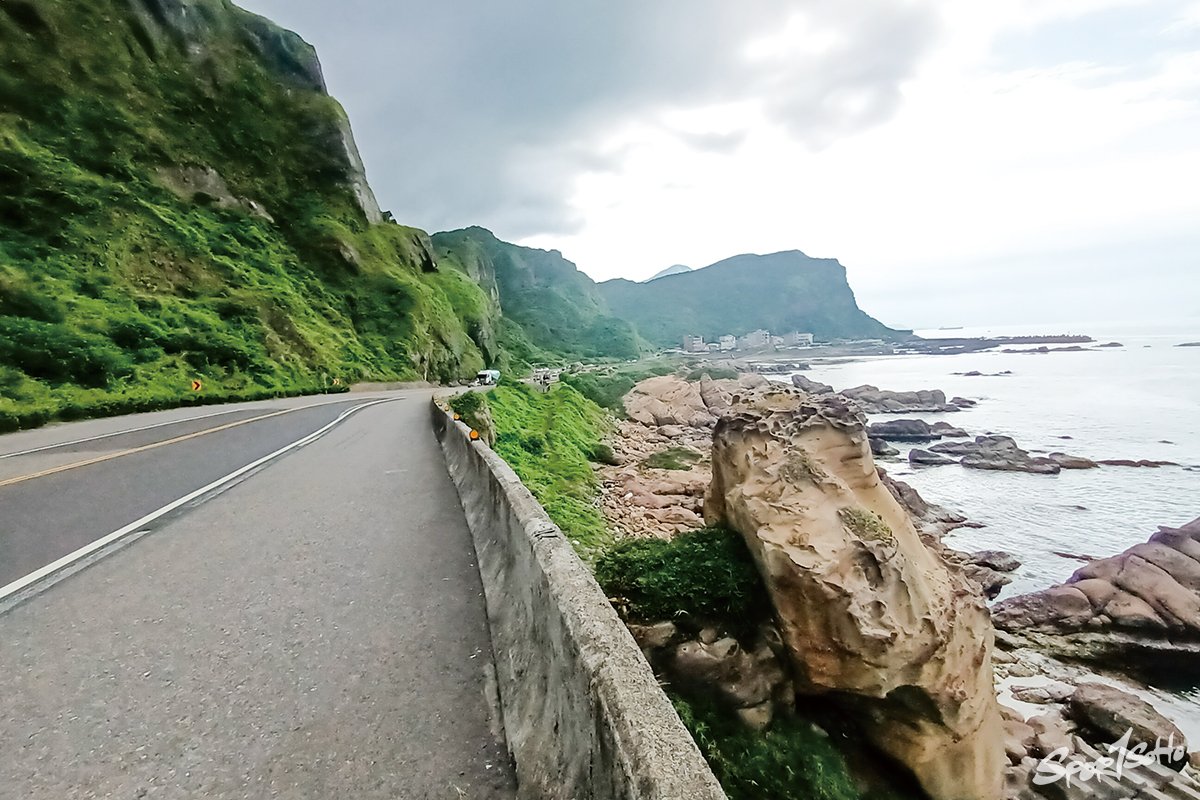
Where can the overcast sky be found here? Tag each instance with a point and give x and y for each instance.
(1027, 161)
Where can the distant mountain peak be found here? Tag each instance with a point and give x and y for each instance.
(677, 269)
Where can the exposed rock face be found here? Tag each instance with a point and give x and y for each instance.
(195, 25)
(865, 609)
(1143, 601)
(670, 400)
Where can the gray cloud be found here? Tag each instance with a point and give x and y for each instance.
(483, 113)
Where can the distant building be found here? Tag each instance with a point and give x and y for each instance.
(713, 347)
(777, 341)
(694, 344)
(796, 339)
(755, 340)
(728, 343)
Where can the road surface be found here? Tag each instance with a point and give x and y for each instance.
(311, 626)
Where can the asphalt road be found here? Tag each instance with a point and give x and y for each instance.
(313, 628)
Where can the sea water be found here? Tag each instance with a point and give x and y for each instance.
(1138, 401)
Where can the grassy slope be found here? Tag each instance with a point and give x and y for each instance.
(115, 293)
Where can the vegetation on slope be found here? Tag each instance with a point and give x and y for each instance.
(608, 388)
(558, 307)
(174, 210)
(782, 292)
(549, 439)
(706, 573)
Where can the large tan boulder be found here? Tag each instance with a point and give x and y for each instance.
(867, 612)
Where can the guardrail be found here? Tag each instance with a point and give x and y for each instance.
(583, 714)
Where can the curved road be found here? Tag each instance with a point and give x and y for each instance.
(255, 601)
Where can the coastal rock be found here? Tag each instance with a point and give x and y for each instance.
(927, 459)
(1189, 344)
(1105, 714)
(1142, 604)
(995, 559)
(668, 400)
(998, 453)
(741, 679)
(812, 387)
(874, 400)
(947, 430)
(1072, 462)
(880, 447)
(903, 430)
(1126, 462)
(963, 402)
(870, 617)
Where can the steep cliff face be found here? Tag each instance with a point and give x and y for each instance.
(782, 292)
(179, 199)
(869, 614)
(556, 306)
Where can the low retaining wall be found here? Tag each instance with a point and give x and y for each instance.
(584, 716)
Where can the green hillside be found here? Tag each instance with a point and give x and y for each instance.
(558, 307)
(180, 199)
(782, 292)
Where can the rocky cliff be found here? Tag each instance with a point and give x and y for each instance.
(782, 292)
(557, 307)
(180, 199)
(868, 613)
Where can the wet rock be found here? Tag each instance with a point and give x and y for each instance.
(995, 559)
(1105, 714)
(948, 430)
(880, 447)
(927, 459)
(1126, 462)
(903, 430)
(997, 453)
(874, 400)
(1072, 462)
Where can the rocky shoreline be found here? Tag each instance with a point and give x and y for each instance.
(716, 436)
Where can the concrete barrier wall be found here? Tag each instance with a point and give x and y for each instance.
(583, 713)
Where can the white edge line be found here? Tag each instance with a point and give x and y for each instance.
(97, 438)
(88, 549)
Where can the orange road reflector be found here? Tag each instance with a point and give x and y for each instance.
(457, 417)
(197, 386)
(474, 435)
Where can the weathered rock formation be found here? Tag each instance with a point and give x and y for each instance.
(868, 613)
(1145, 601)
(812, 387)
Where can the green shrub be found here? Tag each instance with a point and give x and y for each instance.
(603, 454)
(706, 573)
(677, 458)
(792, 760)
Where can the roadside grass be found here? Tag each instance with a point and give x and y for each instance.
(549, 439)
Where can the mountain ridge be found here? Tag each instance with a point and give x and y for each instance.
(780, 292)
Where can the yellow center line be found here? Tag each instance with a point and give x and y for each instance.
(110, 456)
